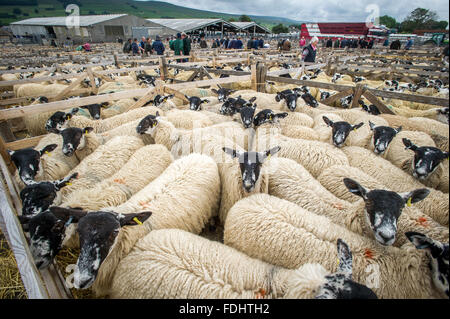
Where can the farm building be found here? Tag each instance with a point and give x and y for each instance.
(251, 28)
(5, 36)
(93, 28)
(207, 26)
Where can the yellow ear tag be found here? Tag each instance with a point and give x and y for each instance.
(154, 124)
(68, 118)
(268, 157)
(68, 183)
(46, 152)
(409, 202)
(137, 221)
(354, 129)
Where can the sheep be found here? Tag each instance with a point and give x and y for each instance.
(103, 162)
(187, 119)
(438, 254)
(289, 180)
(145, 165)
(101, 126)
(396, 179)
(332, 177)
(184, 196)
(35, 89)
(224, 276)
(428, 165)
(382, 137)
(181, 142)
(314, 155)
(437, 131)
(285, 235)
(45, 162)
(340, 130)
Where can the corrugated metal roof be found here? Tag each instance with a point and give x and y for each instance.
(245, 25)
(187, 25)
(61, 21)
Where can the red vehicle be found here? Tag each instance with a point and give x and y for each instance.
(342, 30)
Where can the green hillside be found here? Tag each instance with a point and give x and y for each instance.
(15, 10)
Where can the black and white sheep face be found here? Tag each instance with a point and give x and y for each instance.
(382, 137)
(195, 102)
(28, 160)
(336, 77)
(359, 79)
(426, 159)
(228, 108)
(147, 79)
(148, 124)
(439, 255)
(383, 208)
(46, 237)
(247, 113)
(250, 165)
(74, 139)
(41, 99)
(222, 94)
(340, 130)
(324, 95)
(59, 120)
(267, 116)
(98, 233)
(37, 197)
(443, 115)
(340, 284)
(160, 99)
(392, 83)
(347, 100)
(310, 100)
(280, 95)
(291, 101)
(94, 109)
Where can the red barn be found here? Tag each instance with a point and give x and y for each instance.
(342, 30)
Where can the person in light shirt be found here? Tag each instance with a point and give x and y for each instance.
(309, 53)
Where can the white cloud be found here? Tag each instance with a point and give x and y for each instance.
(319, 10)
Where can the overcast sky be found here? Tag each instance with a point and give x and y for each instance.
(318, 10)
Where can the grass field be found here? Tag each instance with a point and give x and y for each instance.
(144, 9)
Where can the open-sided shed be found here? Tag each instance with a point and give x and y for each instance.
(198, 26)
(251, 28)
(93, 28)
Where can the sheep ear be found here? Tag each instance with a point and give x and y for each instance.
(355, 188)
(48, 149)
(444, 155)
(327, 121)
(66, 213)
(215, 91)
(267, 154)
(409, 145)
(357, 126)
(372, 126)
(231, 152)
(345, 258)
(253, 99)
(157, 114)
(398, 129)
(415, 196)
(134, 219)
(422, 241)
(11, 153)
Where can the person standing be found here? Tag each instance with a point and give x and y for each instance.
(158, 46)
(142, 46)
(409, 44)
(177, 46)
(135, 47)
(370, 45)
(309, 52)
(127, 46)
(329, 43)
(337, 43)
(249, 44)
(302, 42)
(386, 42)
(148, 47)
(239, 44)
(186, 45)
(261, 43)
(203, 43)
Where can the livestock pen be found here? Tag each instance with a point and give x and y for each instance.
(216, 66)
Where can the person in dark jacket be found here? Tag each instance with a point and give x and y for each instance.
(226, 42)
(148, 47)
(395, 45)
(255, 44)
(370, 45)
(309, 52)
(261, 43)
(239, 44)
(329, 43)
(343, 43)
(135, 47)
(203, 43)
(127, 46)
(249, 44)
(186, 45)
(158, 46)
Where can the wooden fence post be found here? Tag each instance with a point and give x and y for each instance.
(163, 68)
